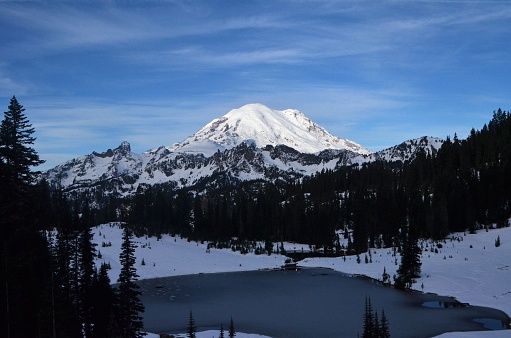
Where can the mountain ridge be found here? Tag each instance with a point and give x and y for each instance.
(213, 154)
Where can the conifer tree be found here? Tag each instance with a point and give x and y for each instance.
(191, 330)
(497, 242)
(410, 267)
(86, 280)
(16, 159)
(374, 327)
(232, 332)
(368, 319)
(222, 334)
(102, 304)
(25, 256)
(129, 304)
(384, 326)
(385, 277)
(16, 142)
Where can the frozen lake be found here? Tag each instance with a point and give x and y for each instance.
(305, 303)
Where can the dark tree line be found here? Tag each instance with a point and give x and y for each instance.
(464, 186)
(50, 285)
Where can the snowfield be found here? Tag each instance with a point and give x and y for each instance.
(175, 256)
(468, 267)
(261, 125)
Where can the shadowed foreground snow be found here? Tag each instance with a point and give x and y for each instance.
(467, 267)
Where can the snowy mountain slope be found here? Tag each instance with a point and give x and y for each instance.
(256, 142)
(258, 124)
(121, 172)
(406, 151)
(96, 167)
(110, 172)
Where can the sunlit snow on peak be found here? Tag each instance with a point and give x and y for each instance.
(262, 126)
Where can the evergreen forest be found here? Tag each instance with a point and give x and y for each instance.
(463, 187)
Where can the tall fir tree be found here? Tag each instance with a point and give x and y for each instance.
(222, 333)
(384, 326)
(374, 327)
(102, 305)
(17, 157)
(368, 319)
(232, 331)
(410, 267)
(129, 305)
(86, 281)
(16, 142)
(191, 329)
(67, 320)
(25, 257)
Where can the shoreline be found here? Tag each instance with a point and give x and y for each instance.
(468, 268)
(414, 299)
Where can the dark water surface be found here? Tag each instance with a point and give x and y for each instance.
(304, 303)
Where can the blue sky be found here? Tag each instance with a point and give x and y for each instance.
(92, 74)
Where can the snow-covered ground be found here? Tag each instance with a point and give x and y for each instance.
(212, 333)
(175, 256)
(468, 267)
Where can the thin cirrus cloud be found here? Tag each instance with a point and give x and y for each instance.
(92, 74)
(82, 126)
(201, 57)
(63, 26)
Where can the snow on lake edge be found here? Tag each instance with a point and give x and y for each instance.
(466, 266)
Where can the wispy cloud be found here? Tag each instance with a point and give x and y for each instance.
(80, 25)
(10, 87)
(79, 126)
(152, 73)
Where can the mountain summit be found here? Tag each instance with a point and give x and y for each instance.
(259, 125)
(251, 143)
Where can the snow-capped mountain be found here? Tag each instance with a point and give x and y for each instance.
(253, 142)
(407, 151)
(258, 124)
(122, 173)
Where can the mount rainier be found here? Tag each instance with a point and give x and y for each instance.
(253, 142)
(258, 124)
